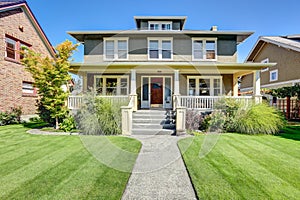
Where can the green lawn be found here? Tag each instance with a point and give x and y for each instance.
(57, 167)
(246, 167)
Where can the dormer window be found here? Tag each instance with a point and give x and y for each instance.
(155, 25)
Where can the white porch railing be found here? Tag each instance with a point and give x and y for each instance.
(207, 102)
(74, 102)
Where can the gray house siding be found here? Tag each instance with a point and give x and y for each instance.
(138, 48)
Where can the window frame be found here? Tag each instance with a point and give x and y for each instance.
(116, 48)
(266, 60)
(204, 50)
(118, 87)
(17, 48)
(34, 90)
(211, 85)
(274, 71)
(160, 23)
(160, 50)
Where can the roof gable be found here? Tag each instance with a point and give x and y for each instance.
(282, 42)
(13, 4)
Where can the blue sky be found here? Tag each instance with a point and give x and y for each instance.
(264, 17)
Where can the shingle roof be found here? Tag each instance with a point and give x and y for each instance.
(288, 42)
(6, 3)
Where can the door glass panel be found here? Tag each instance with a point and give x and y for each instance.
(168, 90)
(145, 96)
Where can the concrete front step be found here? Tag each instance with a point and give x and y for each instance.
(152, 132)
(153, 126)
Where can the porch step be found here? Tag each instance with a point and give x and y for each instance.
(152, 122)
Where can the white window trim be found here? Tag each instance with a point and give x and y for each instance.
(276, 70)
(211, 83)
(104, 77)
(115, 48)
(204, 48)
(160, 25)
(160, 39)
(266, 60)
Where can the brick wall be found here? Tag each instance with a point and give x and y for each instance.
(12, 74)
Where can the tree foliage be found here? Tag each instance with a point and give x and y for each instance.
(49, 75)
(292, 91)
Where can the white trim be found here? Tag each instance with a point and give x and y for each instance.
(160, 39)
(211, 83)
(118, 86)
(204, 40)
(274, 71)
(115, 40)
(160, 23)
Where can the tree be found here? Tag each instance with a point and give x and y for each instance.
(49, 75)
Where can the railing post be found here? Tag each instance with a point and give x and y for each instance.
(126, 120)
(180, 120)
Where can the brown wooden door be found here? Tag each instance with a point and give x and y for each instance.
(156, 90)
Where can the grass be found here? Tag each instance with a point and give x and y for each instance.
(245, 166)
(57, 167)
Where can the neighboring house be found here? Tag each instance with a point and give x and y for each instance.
(283, 50)
(160, 61)
(19, 28)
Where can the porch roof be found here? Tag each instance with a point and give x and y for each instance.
(239, 69)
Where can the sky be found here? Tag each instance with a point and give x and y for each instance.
(264, 17)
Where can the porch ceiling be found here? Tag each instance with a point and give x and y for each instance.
(169, 67)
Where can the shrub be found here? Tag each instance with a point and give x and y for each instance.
(99, 116)
(68, 124)
(11, 117)
(217, 121)
(196, 120)
(259, 119)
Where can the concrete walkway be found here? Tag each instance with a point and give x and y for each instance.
(159, 172)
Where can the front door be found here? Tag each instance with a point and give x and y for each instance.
(157, 90)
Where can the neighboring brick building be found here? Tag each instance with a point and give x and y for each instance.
(18, 27)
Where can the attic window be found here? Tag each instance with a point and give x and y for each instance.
(160, 25)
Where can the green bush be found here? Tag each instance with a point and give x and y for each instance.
(99, 116)
(12, 116)
(231, 115)
(259, 119)
(68, 124)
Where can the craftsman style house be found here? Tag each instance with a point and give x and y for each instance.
(19, 28)
(283, 50)
(160, 60)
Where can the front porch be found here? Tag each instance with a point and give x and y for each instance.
(176, 86)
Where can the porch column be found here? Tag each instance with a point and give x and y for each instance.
(235, 85)
(256, 86)
(176, 82)
(133, 89)
(84, 82)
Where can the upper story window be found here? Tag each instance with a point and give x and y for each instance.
(274, 75)
(265, 61)
(204, 48)
(160, 25)
(116, 48)
(160, 48)
(13, 48)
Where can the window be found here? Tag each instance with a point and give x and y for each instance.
(274, 75)
(205, 86)
(111, 85)
(265, 61)
(160, 48)
(160, 26)
(204, 49)
(28, 88)
(14, 48)
(116, 48)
